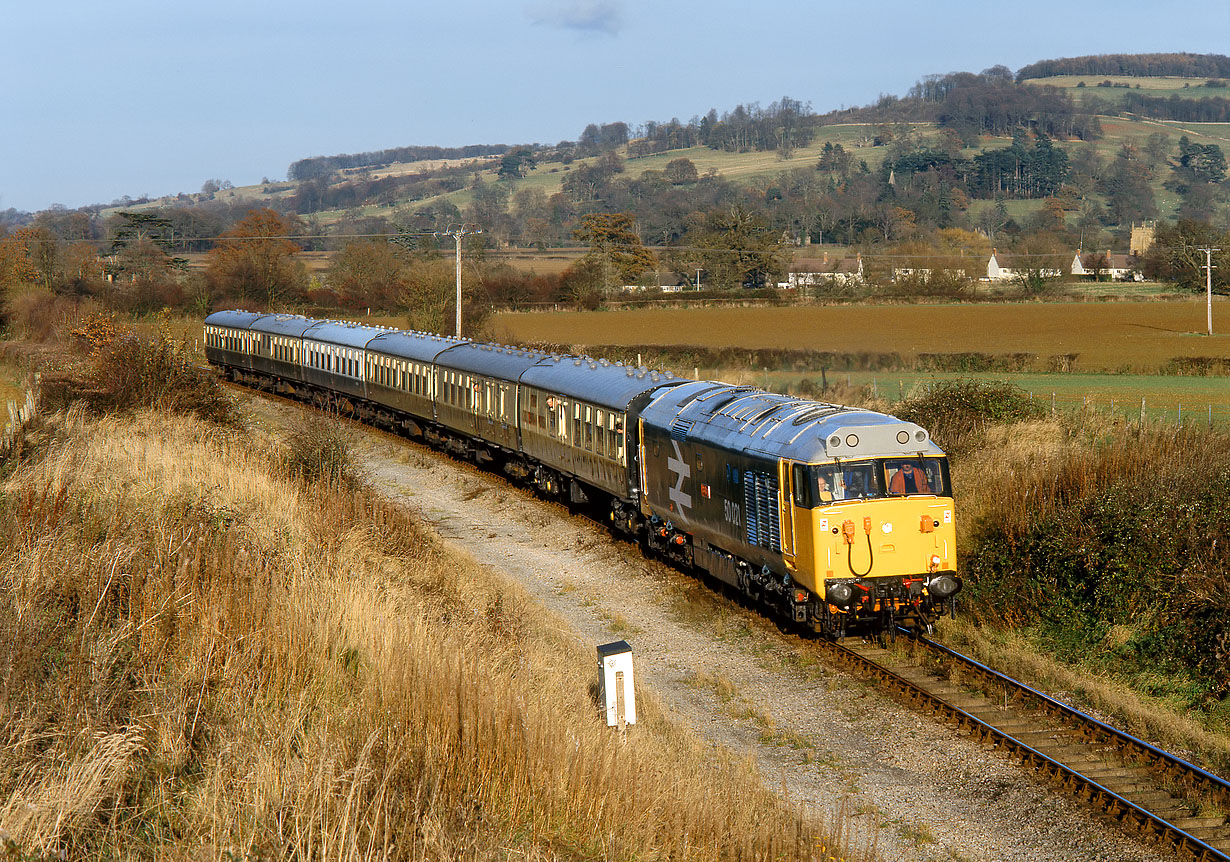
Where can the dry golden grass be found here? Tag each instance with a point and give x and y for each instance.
(212, 657)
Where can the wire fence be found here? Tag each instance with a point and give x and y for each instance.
(1141, 410)
(19, 413)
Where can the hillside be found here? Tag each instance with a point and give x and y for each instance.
(962, 163)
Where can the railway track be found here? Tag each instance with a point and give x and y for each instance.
(1161, 797)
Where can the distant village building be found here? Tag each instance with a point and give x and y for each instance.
(826, 272)
(667, 282)
(1111, 265)
(1006, 267)
(924, 274)
(1142, 237)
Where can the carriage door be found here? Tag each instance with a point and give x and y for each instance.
(786, 479)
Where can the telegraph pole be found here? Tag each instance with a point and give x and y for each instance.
(457, 233)
(1208, 280)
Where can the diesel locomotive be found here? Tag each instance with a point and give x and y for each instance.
(839, 519)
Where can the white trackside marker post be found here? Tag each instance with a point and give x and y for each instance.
(615, 684)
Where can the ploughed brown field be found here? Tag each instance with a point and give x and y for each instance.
(1114, 336)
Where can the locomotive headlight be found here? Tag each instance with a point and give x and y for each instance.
(943, 586)
(851, 440)
(903, 437)
(839, 594)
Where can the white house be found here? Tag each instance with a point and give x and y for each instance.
(1114, 266)
(1006, 267)
(844, 271)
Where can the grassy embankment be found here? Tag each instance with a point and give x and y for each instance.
(1095, 557)
(224, 645)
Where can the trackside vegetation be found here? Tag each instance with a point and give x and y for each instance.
(1100, 542)
(224, 644)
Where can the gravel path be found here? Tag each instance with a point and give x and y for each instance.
(820, 735)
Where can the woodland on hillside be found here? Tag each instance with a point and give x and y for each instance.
(961, 164)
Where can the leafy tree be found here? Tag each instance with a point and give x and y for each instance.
(141, 244)
(835, 160)
(17, 263)
(616, 247)
(589, 181)
(735, 247)
(366, 273)
(1175, 255)
(516, 163)
(81, 269)
(68, 226)
(1200, 163)
(430, 299)
(680, 172)
(1129, 196)
(257, 259)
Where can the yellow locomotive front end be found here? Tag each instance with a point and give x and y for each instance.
(874, 539)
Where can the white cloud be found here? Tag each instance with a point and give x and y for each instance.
(603, 17)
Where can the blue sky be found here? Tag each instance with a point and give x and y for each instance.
(133, 97)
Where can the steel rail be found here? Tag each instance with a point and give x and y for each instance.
(1087, 789)
(1158, 756)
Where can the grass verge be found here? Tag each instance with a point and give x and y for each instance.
(215, 655)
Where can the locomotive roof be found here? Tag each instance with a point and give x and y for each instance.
(745, 418)
(233, 318)
(609, 384)
(409, 344)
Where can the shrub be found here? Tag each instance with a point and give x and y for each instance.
(318, 450)
(1123, 530)
(956, 412)
(111, 368)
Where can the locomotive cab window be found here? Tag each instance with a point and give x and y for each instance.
(849, 480)
(914, 476)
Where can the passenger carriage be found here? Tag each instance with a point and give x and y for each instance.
(277, 347)
(228, 339)
(333, 358)
(402, 376)
(575, 418)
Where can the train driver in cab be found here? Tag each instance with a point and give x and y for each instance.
(910, 478)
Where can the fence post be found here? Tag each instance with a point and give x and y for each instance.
(1052, 403)
(1142, 410)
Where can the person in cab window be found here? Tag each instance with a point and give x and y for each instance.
(909, 480)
